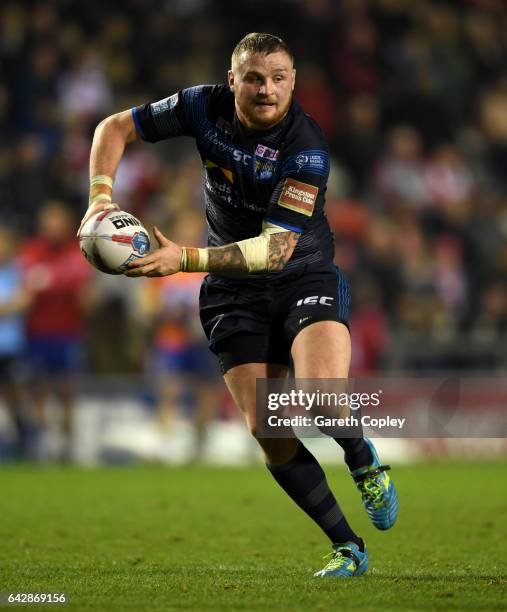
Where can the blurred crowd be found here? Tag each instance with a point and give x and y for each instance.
(412, 97)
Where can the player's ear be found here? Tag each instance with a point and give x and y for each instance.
(293, 78)
(230, 79)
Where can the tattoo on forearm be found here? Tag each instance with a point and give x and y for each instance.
(227, 260)
(281, 247)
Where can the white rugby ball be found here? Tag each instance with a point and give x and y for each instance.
(111, 239)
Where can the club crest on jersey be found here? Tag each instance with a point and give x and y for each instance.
(266, 152)
(264, 170)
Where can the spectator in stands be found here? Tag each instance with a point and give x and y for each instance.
(420, 122)
(180, 355)
(14, 300)
(59, 277)
(400, 172)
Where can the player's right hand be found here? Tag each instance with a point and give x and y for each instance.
(95, 208)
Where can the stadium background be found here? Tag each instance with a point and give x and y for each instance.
(413, 100)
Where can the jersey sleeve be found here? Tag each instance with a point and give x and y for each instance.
(178, 115)
(299, 193)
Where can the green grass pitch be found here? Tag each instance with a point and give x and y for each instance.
(204, 538)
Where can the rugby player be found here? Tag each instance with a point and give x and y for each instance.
(266, 167)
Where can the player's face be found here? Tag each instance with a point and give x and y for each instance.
(262, 86)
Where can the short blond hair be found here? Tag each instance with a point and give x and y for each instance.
(259, 42)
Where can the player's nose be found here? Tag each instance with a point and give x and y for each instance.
(267, 88)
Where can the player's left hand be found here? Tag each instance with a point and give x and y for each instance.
(164, 261)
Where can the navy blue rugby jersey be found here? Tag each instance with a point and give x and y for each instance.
(279, 175)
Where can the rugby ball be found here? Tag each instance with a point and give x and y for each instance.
(111, 239)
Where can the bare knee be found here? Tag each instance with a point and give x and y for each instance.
(252, 428)
(241, 382)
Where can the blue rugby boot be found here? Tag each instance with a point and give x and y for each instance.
(377, 490)
(347, 561)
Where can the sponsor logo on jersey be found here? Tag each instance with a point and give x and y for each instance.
(266, 152)
(299, 197)
(164, 105)
(313, 161)
(221, 190)
(323, 300)
(252, 206)
(226, 193)
(241, 157)
(222, 146)
(301, 160)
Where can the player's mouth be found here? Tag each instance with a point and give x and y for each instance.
(266, 104)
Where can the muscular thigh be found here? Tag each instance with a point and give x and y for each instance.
(322, 350)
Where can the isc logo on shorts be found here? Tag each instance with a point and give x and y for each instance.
(324, 300)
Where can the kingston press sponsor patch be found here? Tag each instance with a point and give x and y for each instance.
(299, 197)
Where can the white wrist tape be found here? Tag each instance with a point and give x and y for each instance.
(256, 250)
(101, 179)
(194, 260)
(99, 196)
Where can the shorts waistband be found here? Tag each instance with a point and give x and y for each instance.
(273, 279)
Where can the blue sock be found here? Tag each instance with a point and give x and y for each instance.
(357, 452)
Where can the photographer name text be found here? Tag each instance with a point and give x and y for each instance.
(323, 421)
